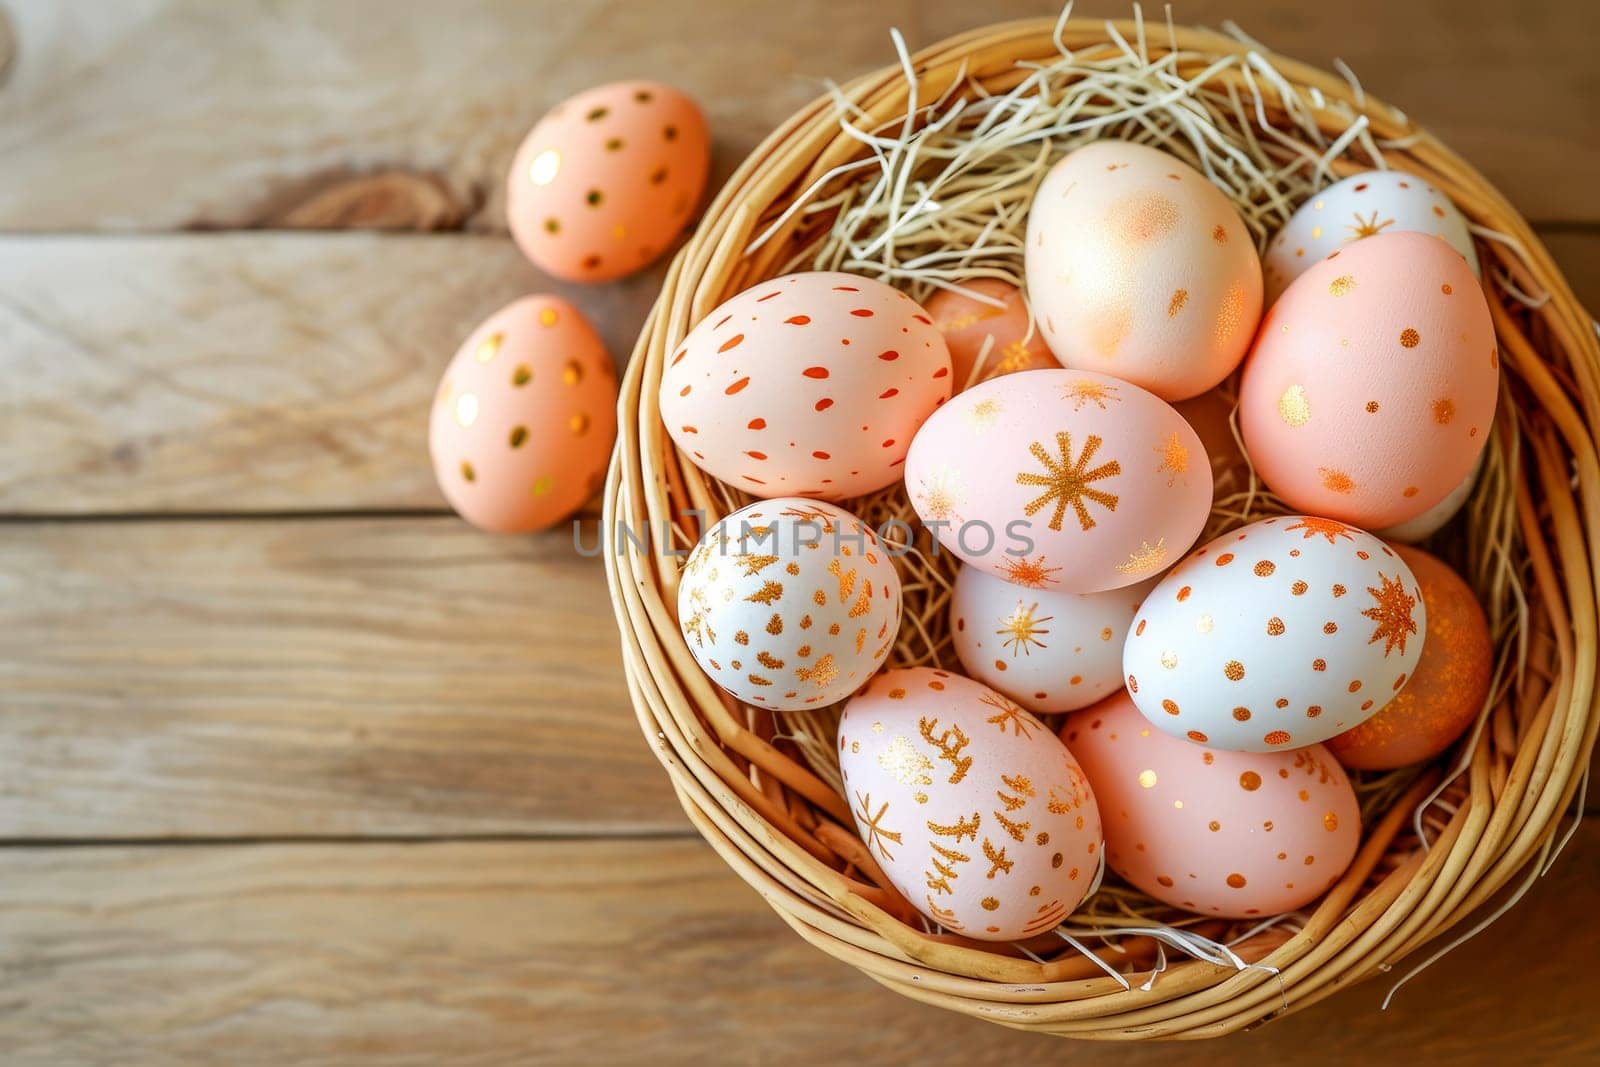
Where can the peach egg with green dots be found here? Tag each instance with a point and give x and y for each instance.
(604, 183)
(1277, 635)
(524, 418)
(1234, 834)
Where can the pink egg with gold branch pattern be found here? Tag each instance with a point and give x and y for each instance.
(987, 318)
(523, 421)
(605, 181)
(1063, 480)
(1371, 388)
(975, 810)
(1235, 834)
(810, 384)
(1279, 634)
(1139, 267)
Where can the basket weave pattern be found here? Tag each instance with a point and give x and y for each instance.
(789, 834)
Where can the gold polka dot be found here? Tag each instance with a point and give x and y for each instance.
(613, 144)
(1341, 285)
(1234, 670)
(1249, 781)
(1264, 568)
(552, 225)
(546, 165)
(619, 232)
(1169, 660)
(572, 374)
(1299, 588)
(1330, 627)
(489, 347)
(1294, 407)
(579, 424)
(522, 375)
(466, 409)
(1170, 707)
(1445, 289)
(1241, 714)
(1198, 738)
(1275, 627)
(597, 114)
(519, 434)
(1147, 779)
(1236, 880)
(1336, 481)
(1443, 411)
(1372, 407)
(1164, 880)
(1330, 821)
(1313, 711)
(1316, 231)
(989, 903)
(670, 133)
(1214, 826)
(1410, 338)
(543, 484)
(1203, 624)
(594, 198)
(467, 472)
(1277, 737)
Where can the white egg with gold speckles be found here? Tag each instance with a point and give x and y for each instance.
(789, 603)
(975, 810)
(1277, 635)
(1048, 651)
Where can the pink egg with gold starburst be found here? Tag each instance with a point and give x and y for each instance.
(1064, 480)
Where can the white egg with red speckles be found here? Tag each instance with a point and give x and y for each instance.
(1236, 834)
(975, 810)
(806, 385)
(1047, 651)
(789, 603)
(1277, 635)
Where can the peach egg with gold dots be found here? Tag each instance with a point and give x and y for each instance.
(1234, 834)
(811, 384)
(604, 182)
(1138, 266)
(987, 326)
(1046, 650)
(789, 603)
(523, 421)
(975, 810)
(1371, 388)
(1277, 635)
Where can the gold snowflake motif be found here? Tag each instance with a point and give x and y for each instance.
(1006, 712)
(1085, 391)
(1020, 570)
(1148, 558)
(983, 415)
(1329, 528)
(940, 495)
(1020, 629)
(754, 564)
(1174, 457)
(1067, 482)
(1366, 227)
(872, 829)
(1014, 357)
(1392, 613)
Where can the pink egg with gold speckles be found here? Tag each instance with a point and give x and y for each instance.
(975, 810)
(1064, 480)
(988, 317)
(1234, 834)
(605, 181)
(1371, 388)
(809, 385)
(523, 421)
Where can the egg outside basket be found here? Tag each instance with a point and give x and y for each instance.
(1445, 843)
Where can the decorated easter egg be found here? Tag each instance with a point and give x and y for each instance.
(606, 180)
(807, 385)
(1278, 634)
(1048, 651)
(1059, 479)
(1362, 205)
(987, 318)
(1139, 267)
(789, 603)
(1235, 834)
(524, 418)
(1371, 388)
(1434, 519)
(975, 810)
(1447, 689)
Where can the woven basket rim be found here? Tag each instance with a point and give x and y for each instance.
(783, 835)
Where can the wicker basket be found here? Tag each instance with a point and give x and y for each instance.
(789, 834)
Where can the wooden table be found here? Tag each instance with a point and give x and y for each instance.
(296, 767)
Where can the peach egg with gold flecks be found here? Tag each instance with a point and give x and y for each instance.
(1235, 834)
(1276, 635)
(975, 810)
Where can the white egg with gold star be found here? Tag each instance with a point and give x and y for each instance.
(1362, 205)
(789, 603)
(1277, 635)
(1048, 651)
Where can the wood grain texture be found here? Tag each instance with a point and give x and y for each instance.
(271, 372)
(337, 677)
(618, 952)
(239, 114)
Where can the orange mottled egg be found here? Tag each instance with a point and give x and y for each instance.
(606, 180)
(1236, 834)
(1139, 267)
(1063, 480)
(1276, 635)
(523, 421)
(806, 385)
(987, 318)
(1448, 688)
(975, 810)
(1371, 388)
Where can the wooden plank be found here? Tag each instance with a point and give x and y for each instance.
(335, 677)
(618, 952)
(176, 114)
(270, 372)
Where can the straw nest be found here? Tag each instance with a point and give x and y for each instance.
(921, 174)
